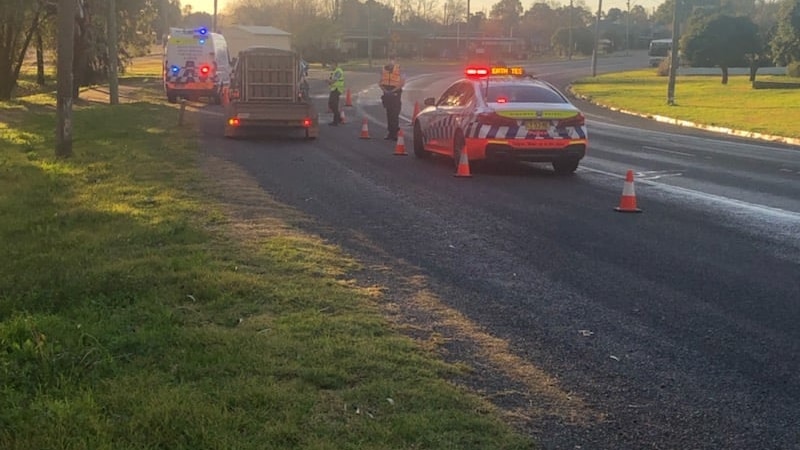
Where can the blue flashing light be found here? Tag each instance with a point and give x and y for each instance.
(175, 69)
(203, 31)
(202, 41)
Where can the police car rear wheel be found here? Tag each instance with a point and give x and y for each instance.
(419, 145)
(566, 166)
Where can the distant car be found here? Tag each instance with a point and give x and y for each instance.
(500, 113)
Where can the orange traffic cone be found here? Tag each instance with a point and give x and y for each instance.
(342, 117)
(628, 201)
(364, 130)
(463, 165)
(347, 100)
(400, 148)
(416, 111)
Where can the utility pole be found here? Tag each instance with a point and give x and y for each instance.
(113, 80)
(673, 56)
(628, 30)
(66, 43)
(214, 19)
(466, 38)
(569, 40)
(164, 9)
(369, 34)
(596, 37)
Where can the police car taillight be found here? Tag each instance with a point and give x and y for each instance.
(577, 120)
(496, 120)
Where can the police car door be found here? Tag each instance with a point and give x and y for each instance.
(440, 129)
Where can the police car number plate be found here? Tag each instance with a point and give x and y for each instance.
(537, 124)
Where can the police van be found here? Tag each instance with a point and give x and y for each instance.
(196, 64)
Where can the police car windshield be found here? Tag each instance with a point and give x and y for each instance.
(499, 93)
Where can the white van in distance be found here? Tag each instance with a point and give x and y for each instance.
(196, 64)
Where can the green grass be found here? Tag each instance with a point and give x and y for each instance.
(700, 99)
(133, 315)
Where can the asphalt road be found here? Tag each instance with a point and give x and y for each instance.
(671, 329)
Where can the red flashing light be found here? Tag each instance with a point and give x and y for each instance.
(501, 100)
(205, 69)
(234, 122)
(476, 72)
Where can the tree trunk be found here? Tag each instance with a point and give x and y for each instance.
(754, 63)
(66, 30)
(39, 59)
(724, 74)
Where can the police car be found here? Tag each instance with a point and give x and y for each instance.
(500, 113)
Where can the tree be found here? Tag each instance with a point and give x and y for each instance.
(135, 19)
(508, 13)
(454, 11)
(785, 45)
(19, 20)
(582, 40)
(719, 40)
(614, 15)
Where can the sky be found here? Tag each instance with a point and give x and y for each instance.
(474, 5)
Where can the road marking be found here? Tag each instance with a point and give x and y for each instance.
(781, 214)
(656, 174)
(656, 149)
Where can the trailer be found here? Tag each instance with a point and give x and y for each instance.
(267, 93)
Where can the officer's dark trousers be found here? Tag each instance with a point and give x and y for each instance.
(392, 105)
(333, 105)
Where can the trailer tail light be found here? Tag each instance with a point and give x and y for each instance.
(234, 122)
(306, 122)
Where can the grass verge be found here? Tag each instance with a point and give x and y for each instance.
(700, 99)
(132, 314)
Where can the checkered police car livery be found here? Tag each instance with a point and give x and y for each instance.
(196, 64)
(502, 114)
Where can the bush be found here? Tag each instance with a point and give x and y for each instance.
(793, 69)
(663, 67)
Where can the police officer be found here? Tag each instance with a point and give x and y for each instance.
(336, 83)
(391, 84)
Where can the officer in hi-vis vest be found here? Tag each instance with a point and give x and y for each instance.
(392, 81)
(336, 82)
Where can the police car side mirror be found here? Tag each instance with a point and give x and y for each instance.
(430, 101)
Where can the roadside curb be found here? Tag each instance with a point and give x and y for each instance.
(690, 124)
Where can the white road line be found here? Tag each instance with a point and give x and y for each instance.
(656, 149)
(777, 213)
